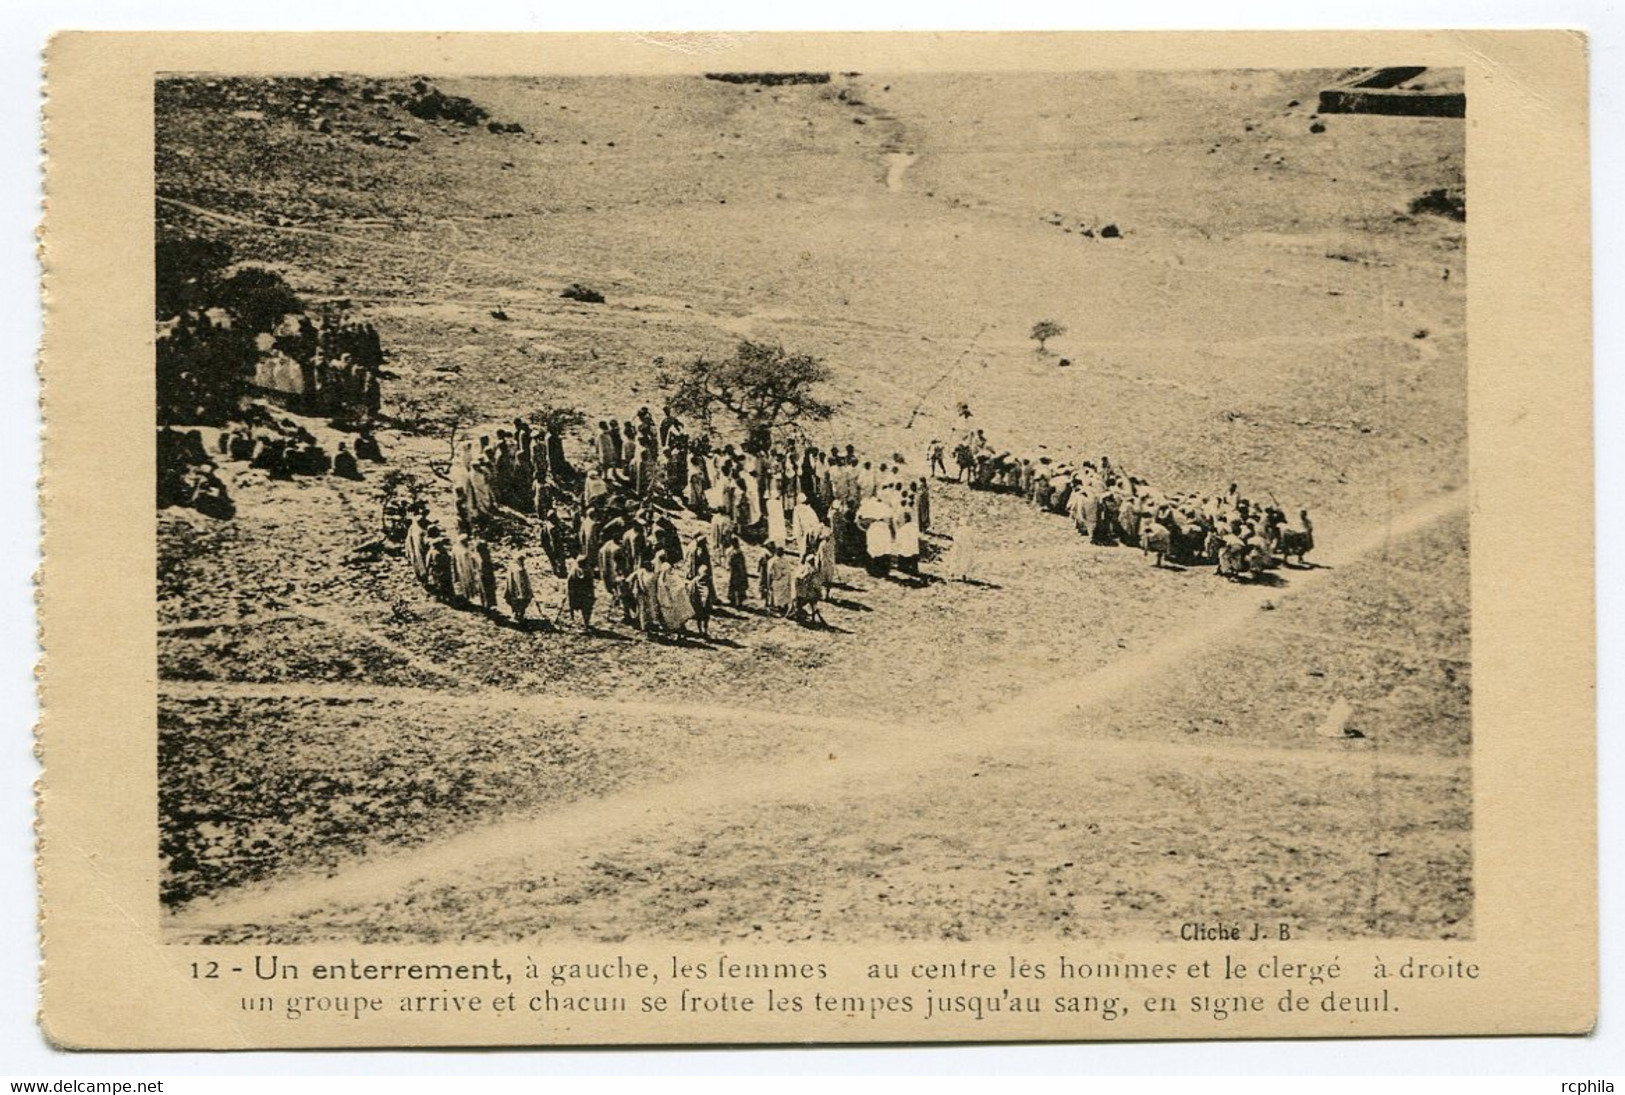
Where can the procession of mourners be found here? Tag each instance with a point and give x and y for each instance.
(766, 524)
(1238, 536)
(652, 526)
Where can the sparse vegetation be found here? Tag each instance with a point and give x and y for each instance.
(1043, 331)
(560, 419)
(876, 299)
(763, 386)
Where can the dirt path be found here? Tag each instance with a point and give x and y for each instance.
(305, 230)
(222, 623)
(894, 753)
(846, 754)
(537, 704)
(1045, 706)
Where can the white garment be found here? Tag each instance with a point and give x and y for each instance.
(878, 539)
(907, 541)
(753, 507)
(776, 531)
(803, 525)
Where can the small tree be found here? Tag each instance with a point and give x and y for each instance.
(762, 385)
(559, 419)
(1044, 330)
(461, 413)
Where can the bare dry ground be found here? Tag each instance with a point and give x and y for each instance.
(1080, 745)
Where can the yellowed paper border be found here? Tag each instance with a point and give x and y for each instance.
(109, 980)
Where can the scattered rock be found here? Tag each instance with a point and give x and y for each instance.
(1444, 202)
(582, 293)
(429, 103)
(769, 79)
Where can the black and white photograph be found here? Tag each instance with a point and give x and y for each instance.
(813, 506)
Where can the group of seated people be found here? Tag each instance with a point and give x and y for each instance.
(283, 448)
(1237, 535)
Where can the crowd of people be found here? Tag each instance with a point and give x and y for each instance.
(514, 469)
(767, 523)
(611, 527)
(1237, 535)
(283, 448)
(331, 370)
(207, 362)
(638, 559)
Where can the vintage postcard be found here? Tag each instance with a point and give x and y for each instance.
(760, 538)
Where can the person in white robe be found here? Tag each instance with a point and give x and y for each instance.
(826, 557)
(593, 487)
(465, 572)
(417, 548)
(876, 518)
(809, 589)
(517, 591)
(722, 527)
(672, 600)
(748, 503)
(781, 577)
(804, 525)
(776, 530)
